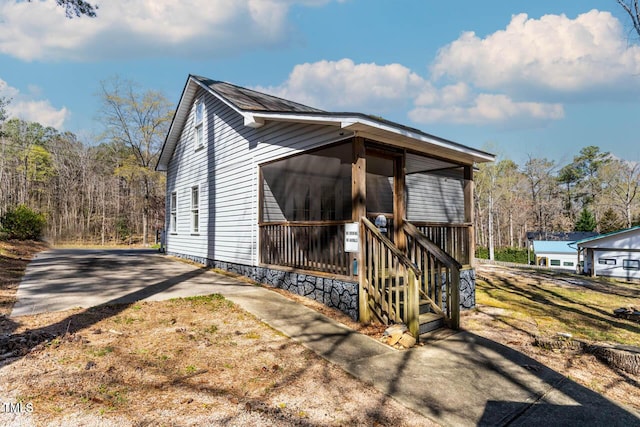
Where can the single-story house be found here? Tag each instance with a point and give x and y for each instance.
(556, 254)
(615, 254)
(569, 237)
(286, 194)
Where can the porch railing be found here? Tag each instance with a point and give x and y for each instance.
(317, 246)
(440, 274)
(452, 238)
(388, 281)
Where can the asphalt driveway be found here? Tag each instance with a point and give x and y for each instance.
(61, 279)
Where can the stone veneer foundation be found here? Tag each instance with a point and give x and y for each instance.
(334, 293)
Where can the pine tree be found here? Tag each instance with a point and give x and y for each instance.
(586, 221)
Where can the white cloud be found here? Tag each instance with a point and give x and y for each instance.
(377, 89)
(25, 107)
(39, 30)
(340, 85)
(554, 56)
(489, 109)
(520, 76)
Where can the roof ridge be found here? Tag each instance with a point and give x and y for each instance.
(255, 96)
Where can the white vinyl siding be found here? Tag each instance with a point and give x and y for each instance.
(434, 198)
(615, 255)
(226, 170)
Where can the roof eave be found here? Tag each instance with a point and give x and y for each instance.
(363, 126)
(357, 123)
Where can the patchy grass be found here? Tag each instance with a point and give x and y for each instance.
(202, 361)
(516, 305)
(189, 361)
(548, 303)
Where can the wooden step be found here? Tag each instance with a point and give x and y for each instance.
(430, 322)
(425, 306)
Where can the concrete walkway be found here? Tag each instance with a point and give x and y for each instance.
(458, 381)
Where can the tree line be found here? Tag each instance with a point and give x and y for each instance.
(100, 191)
(595, 192)
(106, 190)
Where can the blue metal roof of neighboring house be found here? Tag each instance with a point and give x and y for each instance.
(556, 247)
(613, 233)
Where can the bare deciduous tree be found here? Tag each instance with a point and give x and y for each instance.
(633, 10)
(137, 122)
(77, 8)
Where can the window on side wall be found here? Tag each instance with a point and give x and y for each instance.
(607, 261)
(631, 264)
(198, 124)
(195, 209)
(173, 217)
(555, 262)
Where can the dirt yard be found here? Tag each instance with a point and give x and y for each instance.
(516, 306)
(203, 361)
(196, 361)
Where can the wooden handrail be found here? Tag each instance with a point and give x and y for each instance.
(304, 223)
(441, 255)
(402, 257)
(388, 278)
(442, 224)
(440, 269)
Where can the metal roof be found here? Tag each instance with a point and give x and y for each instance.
(553, 247)
(566, 236)
(258, 108)
(251, 100)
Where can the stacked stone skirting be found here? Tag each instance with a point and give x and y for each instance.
(334, 293)
(467, 289)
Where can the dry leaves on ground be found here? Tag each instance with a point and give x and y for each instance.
(193, 361)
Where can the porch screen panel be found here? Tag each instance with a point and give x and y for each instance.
(435, 190)
(306, 200)
(309, 187)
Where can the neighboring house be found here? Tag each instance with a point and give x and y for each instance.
(269, 188)
(556, 254)
(569, 237)
(614, 254)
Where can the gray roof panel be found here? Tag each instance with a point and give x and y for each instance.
(250, 100)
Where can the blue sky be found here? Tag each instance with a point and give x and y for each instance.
(520, 78)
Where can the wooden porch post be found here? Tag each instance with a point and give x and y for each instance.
(399, 206)
(358, 210)
(358, 180)
(469, 212)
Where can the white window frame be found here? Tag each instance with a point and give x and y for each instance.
(195, 209)
(173, 212)
(198, 123)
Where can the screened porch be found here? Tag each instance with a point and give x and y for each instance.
(307, 199)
